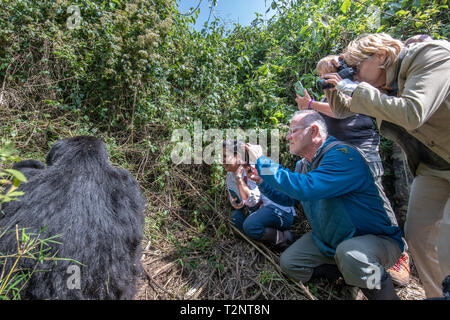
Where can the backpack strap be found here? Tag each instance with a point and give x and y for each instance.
(394, 90)
(329, 146)
(302, 166)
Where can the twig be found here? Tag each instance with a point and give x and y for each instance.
(152, 281)
(264, 288)
(132, 115)
(29, 138)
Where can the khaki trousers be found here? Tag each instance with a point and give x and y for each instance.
(427, 227)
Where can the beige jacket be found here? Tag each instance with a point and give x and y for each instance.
(422, 105)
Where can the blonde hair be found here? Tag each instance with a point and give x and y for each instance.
(366, 46)
(325, 64)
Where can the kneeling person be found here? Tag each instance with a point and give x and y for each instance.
(352, 232)
(267, 221)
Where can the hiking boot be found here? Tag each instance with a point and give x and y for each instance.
(277, 238)
(327, 271)
(400, 272)
(386, 291)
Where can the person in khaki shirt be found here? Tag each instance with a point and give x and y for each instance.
(407, 89)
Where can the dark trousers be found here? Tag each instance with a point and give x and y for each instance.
(265, 217)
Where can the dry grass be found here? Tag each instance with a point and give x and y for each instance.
(231, 266)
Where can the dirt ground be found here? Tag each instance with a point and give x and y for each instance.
(233, 268)
(191, 252)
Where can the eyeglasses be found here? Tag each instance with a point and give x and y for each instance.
(291, 131)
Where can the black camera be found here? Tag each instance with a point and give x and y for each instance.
(343, 70)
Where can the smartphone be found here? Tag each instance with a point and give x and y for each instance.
(234, 195)
(299, 88)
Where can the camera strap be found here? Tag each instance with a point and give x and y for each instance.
(394, 90)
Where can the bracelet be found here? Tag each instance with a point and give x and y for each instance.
(309, 104)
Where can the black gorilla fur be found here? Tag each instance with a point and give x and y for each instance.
(96, 209)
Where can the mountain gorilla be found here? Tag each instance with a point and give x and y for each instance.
(97, 211)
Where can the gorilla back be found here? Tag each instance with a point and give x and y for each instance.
(97, 211)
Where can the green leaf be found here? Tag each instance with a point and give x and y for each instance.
(303, 30)
(16, 194)
(274, 120)
(345, 6)
(401, 13)
(17, 174)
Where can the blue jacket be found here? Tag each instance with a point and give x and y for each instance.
(339, 197)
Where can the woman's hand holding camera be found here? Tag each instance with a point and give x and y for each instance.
(346, 86)
(332, 78)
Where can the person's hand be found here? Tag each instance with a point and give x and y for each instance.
(239, 173)
(252, 174)
(332, 78)
(254, 152)
(237, 205)
(302, 102)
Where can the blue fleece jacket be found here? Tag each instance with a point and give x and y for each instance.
(339, 197)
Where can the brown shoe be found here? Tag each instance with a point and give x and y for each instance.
(400, 271)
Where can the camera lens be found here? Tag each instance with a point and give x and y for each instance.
(325, 85)
(346, 73)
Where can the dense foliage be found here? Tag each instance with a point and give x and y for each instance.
(130, 63)
(132, 71)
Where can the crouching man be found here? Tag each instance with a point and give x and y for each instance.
(352, 233)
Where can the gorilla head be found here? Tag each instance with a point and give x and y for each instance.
(95, 209)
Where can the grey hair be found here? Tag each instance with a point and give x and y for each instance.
(312, 117)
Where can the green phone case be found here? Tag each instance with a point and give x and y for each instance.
(299, 89)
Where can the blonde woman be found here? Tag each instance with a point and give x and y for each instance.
(407, 89)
